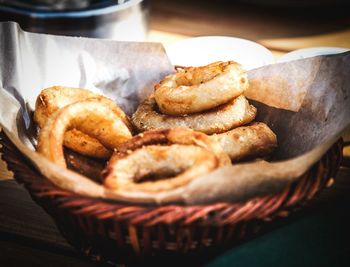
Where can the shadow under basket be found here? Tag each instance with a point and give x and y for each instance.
(111, 232)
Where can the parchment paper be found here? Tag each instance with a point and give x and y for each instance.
(306, 102)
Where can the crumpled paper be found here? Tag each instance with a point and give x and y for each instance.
(306, 102)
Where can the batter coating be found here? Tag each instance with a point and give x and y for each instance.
(220, 119)
(247, 142)
(197, 89)
(163, 160)
(92, 117)
(54, 98)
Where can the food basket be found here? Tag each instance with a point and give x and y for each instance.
(111, 232)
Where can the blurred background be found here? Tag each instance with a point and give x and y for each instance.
(282, 26)
(120, 20)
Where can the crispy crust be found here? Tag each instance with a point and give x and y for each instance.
(85, 145)
(247, 142)
(179, 152)
(197, 89)
(221, 119)
(54, 98)
(92, 116)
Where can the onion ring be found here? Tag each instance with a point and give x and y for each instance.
(93, 117)
(56, 97)
(53, 98)
(196, 89)
(247, 142)
(85, 145)
(180, 153)
(220, 119)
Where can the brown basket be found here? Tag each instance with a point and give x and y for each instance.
(111, 232)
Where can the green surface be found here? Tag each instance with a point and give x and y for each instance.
(322, 238)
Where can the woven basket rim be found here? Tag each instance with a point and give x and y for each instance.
(260, 207)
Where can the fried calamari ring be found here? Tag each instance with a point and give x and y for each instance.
(93, 117)
(196, 89)
(247, 142)
(56, 97)
(163, 160)
(235, 113)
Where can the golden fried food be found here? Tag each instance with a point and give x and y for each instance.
(93, 117)
(161, 160)
(197, 89)
(235, 113)
(85, 145)
(56, 97)
(247, 142)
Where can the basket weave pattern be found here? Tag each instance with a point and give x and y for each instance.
(110, 231)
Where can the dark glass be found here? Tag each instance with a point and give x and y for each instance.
(59, 4)
(120, 20)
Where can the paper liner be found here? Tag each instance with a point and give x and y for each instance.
(306, 103)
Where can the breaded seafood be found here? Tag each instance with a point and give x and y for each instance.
(57, 97)
(162, 160)
(235, 113)
(197, 89)
(93, 117)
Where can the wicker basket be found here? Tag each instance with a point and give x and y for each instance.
(111, 232)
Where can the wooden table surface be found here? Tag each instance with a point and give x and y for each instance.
(29, 237)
